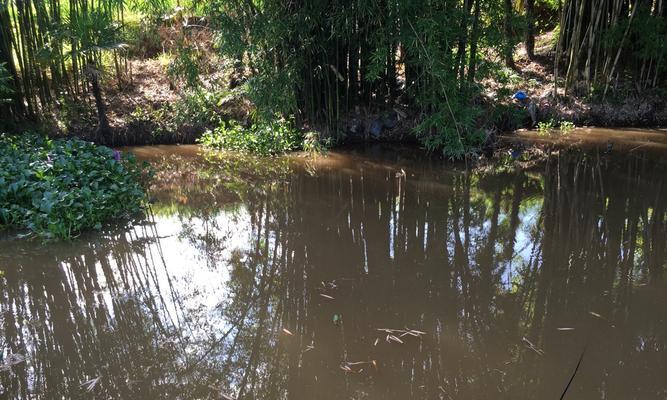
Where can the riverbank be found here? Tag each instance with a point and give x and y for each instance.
(148, 107)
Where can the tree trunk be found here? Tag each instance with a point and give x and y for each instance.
(103, 133)
(509, 39)
(530, 29)
(15, 108)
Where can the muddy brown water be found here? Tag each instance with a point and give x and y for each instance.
(367, 274)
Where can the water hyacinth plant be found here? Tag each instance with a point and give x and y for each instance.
(57, 188)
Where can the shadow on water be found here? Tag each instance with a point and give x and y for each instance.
(271, 279)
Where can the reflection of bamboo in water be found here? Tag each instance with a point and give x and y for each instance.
(72, 334)
(403, 252)
(385, 231)
(589, 248)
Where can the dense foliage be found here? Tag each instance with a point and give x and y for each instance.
(605, 40)
(273, 137)
(326, 63)
(57, 188)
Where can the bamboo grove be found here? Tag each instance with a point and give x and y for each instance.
(324, 58)
(602, 41)
(54, 51)
(321, 61)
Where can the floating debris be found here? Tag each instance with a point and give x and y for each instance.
(399, 333)
(531, 346)
(329, 285)
(596, 315)
(11, 360)
(357, 367)
(326, 296)
(287, 332)
(89, 385)
(393, 338)
(565, 329)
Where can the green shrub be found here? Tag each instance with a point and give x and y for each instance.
(265, 138)
(313, 143)
(566, 127)
(199, 107)
(57, 188)
(545, 127)
(185, 66)
(451, 130)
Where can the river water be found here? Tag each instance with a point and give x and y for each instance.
(375, 273)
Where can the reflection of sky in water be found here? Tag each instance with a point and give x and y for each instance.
(176, 273)
(523, 246)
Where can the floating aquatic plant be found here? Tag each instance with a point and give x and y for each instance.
(57, 188)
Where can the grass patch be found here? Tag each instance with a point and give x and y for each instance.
(58, 188)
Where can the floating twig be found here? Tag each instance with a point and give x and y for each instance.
(581, 358)
(531, 346)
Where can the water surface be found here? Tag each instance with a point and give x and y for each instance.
(366, 274)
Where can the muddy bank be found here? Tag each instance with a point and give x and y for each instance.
(641, 110)
(147, 118)
(608, 139)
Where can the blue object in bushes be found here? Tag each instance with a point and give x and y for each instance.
(376, 128)
(520, 95)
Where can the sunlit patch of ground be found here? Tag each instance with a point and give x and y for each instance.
(628, 139)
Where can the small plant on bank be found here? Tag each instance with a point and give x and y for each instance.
(545, 127)
(264, 138)
(58, 188)
(566, 127)
(313, 143)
